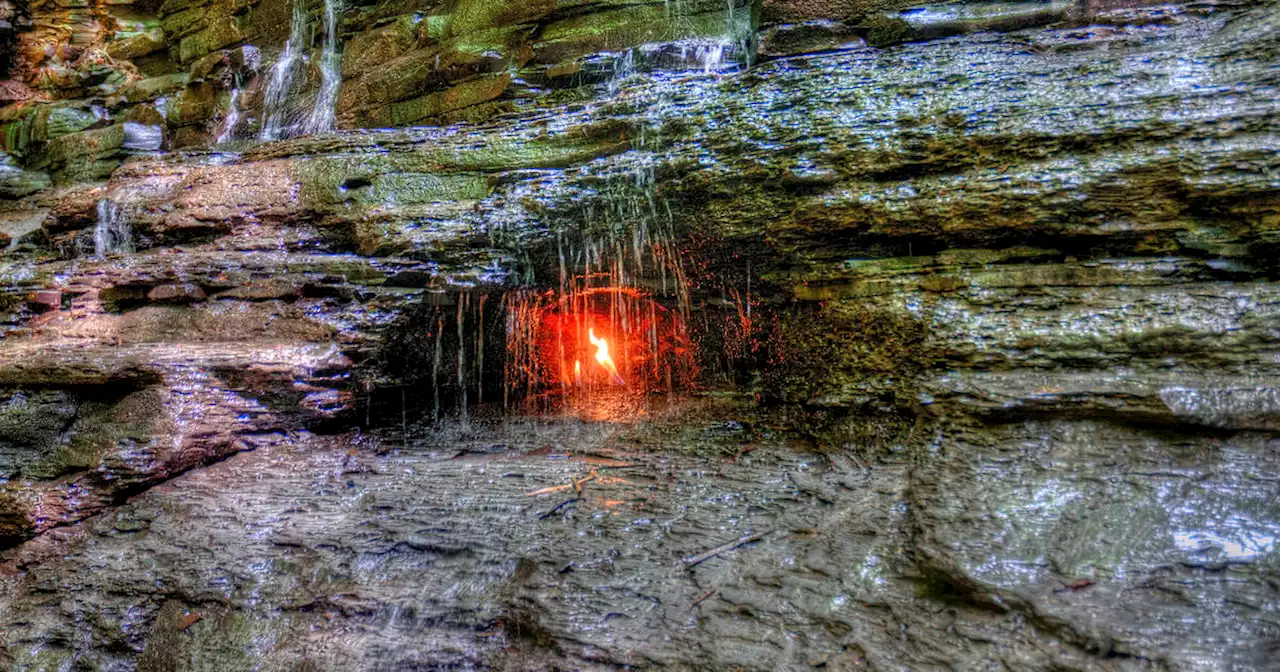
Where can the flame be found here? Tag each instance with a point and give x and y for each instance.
(602, 356)
(577, 372)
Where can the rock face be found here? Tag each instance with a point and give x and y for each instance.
(981, 297)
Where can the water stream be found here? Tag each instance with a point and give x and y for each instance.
(282, 117)
(322, 110)
(111, 234)
(283, 72)
(228, 132)
(729, 50)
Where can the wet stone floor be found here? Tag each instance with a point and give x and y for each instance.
(690, 537)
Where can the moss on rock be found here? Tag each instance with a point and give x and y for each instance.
(844, 354)
(101, 429)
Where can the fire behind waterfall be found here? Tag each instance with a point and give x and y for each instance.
(594, 340)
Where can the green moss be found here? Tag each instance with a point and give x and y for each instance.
(44, 659)
(31, 424)
(59, 121)
(186, 22)
(31, 127)
(194, 105)
(472, 16)
(884, 30)
(438, 106)
(128, 46)
(381, 180)
(102, 429)
(389, 70)
(154, 87)
(205, 639)
(15, 135)
(625, 28)
(82, 157)
(840, 353)
(364, 52)
(431, 174)
(221, 32)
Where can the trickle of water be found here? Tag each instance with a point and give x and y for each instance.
(623, 67)
(112, 233)
(711, 57)
(284, 75)
(623, 295)
(276, 98)
(437, 355)
(142, 137)
(731, 49)
(480, 352)
(228, 132)
(322, 110)
(463, 301)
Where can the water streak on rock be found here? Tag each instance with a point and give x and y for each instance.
(228, 132)
(112, 233)
(322, 110)
(279, 107)
(274, 110)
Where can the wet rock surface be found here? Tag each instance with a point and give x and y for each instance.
(445, 555)
(700, 537)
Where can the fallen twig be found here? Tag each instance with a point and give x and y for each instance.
(691, 561)
(575, 484)
(547, 491)
(702, 598)
(559, 506)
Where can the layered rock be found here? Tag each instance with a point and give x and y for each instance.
(107, 80)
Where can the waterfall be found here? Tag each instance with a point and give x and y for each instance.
(142, 137)
(229, 124)
(112, 233)
(285, 73)
(437, 355)
(322, 114)
(282, 74)
(729, 49)
(251, 63)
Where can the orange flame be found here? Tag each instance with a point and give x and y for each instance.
(602, 356)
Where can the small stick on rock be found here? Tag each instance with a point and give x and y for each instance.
(577, 485)
(702, 598)
(574, 484)
(547, 491)
(559, 506)
(694, 560)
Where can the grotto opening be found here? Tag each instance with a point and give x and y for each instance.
(640, 334)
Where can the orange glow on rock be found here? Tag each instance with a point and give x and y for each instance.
(602, 356)
(637, 343)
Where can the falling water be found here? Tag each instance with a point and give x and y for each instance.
(112, 233)
(622, 277)
(730, 50)
(437, 355)
(463, 300)
(322, 110)
(229, 124)
(448, 353)
(284, 74)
